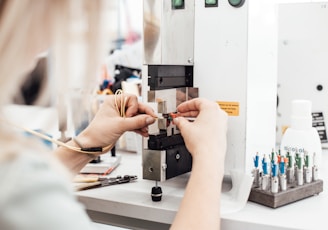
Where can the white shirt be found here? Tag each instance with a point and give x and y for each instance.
(34, 195)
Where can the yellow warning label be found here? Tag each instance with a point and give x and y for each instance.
(284, 128)
(231, 108)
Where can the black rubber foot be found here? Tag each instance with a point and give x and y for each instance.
(156, 194)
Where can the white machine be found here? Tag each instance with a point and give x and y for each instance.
(213, 48)
(235, 65)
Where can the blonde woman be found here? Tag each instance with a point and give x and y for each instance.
(35, 191)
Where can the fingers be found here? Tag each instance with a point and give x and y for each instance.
(131, 104)
(139, 122)
(196, 104)
(181, 123)
(189, 106)
(189, 113)
(144, 109)
(134, 107)
(142, 132)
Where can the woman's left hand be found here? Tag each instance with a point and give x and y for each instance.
(108, 125)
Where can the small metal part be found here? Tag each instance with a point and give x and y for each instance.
(173, 115)
(274, 184)
(256, 176)
(161, 107)
(283, 182)
(307, 175)
(290, 175)
(299, 177)
(265, 182)
(162, 123)
(164, 167)
(315, 173)
(152, 162)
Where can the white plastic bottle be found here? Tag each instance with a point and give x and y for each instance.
(301, 137)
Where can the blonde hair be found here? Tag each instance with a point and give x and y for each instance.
(28, 26)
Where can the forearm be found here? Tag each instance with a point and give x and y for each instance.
(200, 206)
(73, 160)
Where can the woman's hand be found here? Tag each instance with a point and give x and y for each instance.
(108, 125)
(205, 139)
(206, 135)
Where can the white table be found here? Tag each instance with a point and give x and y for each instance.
(130, 205)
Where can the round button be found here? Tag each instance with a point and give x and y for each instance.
(156, 194)
(236, 3)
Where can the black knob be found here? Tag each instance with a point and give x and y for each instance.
(156, 194)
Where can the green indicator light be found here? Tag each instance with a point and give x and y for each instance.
(177, 4)
(236, 3)
(211, 3)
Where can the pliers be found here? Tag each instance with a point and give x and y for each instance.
(101, 182)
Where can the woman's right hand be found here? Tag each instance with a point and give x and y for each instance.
(205, 138)
(206, 135)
